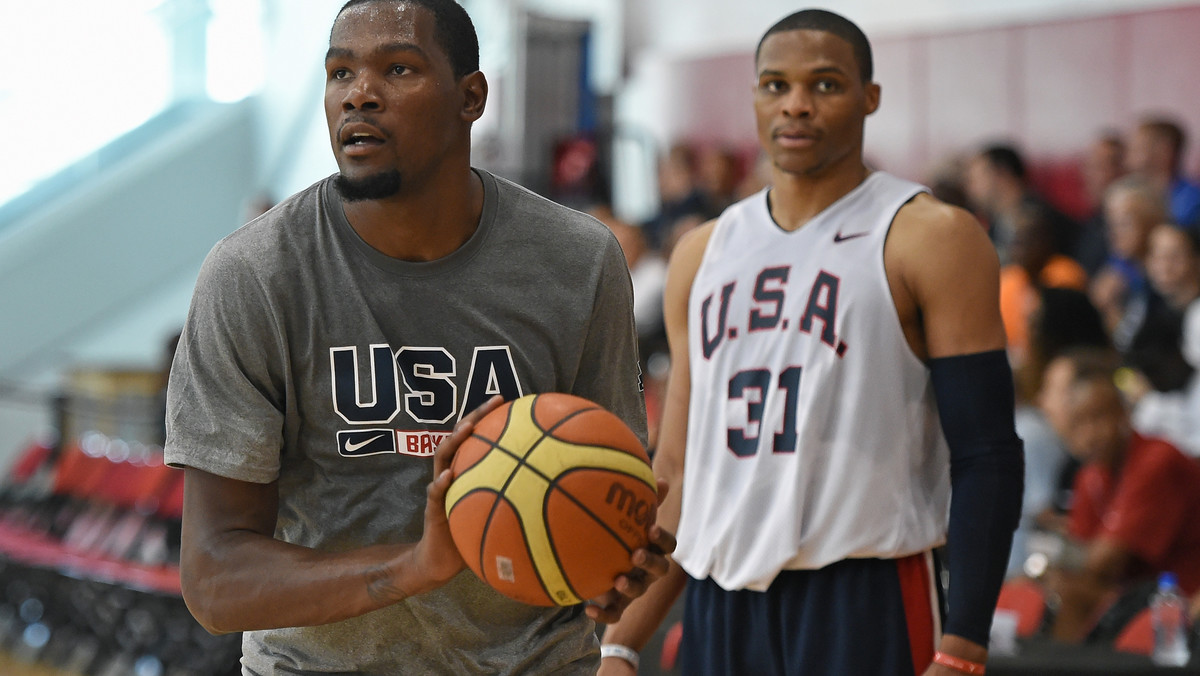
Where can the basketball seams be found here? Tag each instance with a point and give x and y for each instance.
(528, 549)
(501, 495)
(522, 461)
(558, 423)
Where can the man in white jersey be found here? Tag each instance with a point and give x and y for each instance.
(335, 340)
(817, 330)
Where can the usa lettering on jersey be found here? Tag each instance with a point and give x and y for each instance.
(766, 310)
(418, 381)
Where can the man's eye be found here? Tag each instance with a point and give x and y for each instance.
(399, 70)
(338, 74)
(827, 86)
(773, 86)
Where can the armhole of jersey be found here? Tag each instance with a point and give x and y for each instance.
(887, 282)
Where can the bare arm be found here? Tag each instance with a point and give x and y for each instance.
(644, 615)
(944, 275)
(1083, 591)
(237, 577)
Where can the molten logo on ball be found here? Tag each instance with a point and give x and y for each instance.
(552, 493)
(638, 510)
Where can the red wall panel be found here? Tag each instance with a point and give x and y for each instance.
(1068, 87)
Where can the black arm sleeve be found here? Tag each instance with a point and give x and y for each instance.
(975, 399)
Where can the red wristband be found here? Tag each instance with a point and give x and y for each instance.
(958, 664)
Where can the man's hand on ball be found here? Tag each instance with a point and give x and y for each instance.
(649, 564)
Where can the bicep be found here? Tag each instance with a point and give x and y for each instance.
(954, 273)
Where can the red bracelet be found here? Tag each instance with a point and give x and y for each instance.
(957, 664)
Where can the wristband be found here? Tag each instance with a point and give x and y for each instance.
(620, 651)
(958, 664)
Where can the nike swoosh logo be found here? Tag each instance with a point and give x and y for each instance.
(350, 448)
(839, 237)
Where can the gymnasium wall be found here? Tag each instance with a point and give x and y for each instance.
(1050, 87)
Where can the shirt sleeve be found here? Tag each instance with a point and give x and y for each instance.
(225, 393)
(609, 370)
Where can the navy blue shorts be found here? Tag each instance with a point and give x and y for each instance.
(859, 616)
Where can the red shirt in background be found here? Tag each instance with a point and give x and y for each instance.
(1151, 507)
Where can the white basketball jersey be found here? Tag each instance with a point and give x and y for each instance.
(813, 433)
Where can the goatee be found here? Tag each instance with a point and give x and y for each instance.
(374, 187)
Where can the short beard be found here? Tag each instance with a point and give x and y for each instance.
(374, 187)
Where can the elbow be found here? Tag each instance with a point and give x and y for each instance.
(202, 598)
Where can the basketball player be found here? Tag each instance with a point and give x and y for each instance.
(818, 331)
(335, 340)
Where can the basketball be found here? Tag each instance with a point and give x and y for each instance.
(551, 494)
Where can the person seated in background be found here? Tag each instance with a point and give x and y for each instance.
(1103, 164)
(1035, 265)
(679, 193)
(1063, 319)
(997, 186)
(718, 173)
(1171, 409)
(1133, 510)
(1156, 152)
(647, 271)
(1132, 207)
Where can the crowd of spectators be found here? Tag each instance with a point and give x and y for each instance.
(1102, 316)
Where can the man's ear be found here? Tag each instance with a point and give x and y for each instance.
(873, 93)
(475, 91)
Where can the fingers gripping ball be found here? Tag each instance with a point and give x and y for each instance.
(551, 495)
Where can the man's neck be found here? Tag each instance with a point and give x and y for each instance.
(422, 224)
(796, 199)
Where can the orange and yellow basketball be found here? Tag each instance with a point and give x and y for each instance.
(551, 495)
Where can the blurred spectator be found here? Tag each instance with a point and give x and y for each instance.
(1103, 164)
(678, 229)
(1063, 319)
(1156, 349)
(1132, 207)
(997, 186)
(679, 193)
(946, 182)
(1173, 266)
(648, 272)
(1034, 265)
(718, 173)
(1133, 509)
(756, 179)
(1156, 151)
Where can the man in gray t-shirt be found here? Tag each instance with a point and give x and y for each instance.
(339, 339)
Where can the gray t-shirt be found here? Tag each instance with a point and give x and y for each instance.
(312, 359)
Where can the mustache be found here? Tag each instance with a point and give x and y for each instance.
(359, 118)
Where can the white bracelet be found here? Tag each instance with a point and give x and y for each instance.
(622, 651)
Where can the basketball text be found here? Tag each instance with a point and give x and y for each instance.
(636, 510)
